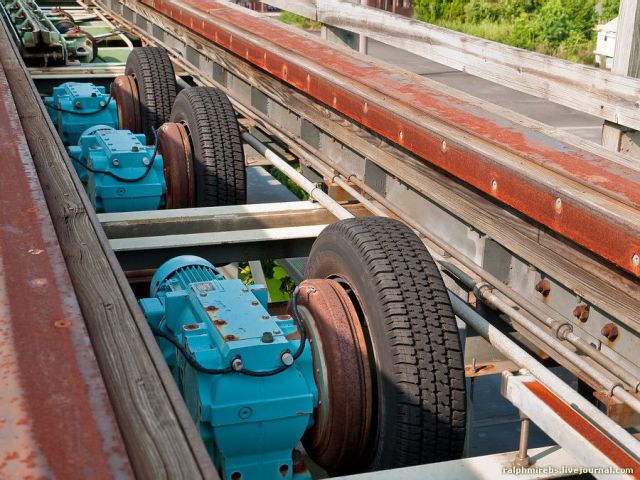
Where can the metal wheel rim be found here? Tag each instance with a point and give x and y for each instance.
(175, 147)
(339, 439)
(124, 92)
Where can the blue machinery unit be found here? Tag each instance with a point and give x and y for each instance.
(74, 107)
(245, 378)
(124, 174)
(120, 172)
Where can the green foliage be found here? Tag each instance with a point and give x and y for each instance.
(280, 285)
(298, 21)
(565, 28)
(287, 182)
(609, 9)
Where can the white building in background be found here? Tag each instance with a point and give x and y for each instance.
(606, 44)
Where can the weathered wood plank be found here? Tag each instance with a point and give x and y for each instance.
(159, 435)
(219, 219)
(626, 62)
(607, 95)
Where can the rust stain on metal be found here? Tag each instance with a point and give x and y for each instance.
(340, 437)
(479, 370)
(57, 420)
(175, 147)
(335, 79)
(591, 434)
(125, 94)
(230, 338)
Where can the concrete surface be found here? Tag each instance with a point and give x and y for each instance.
(578, 123)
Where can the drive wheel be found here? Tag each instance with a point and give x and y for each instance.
(152, 71)
(413, 343)
(218, 156)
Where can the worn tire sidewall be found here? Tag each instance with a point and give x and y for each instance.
(183, 113)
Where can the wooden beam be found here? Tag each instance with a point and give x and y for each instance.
(626, 61)
(610, 96)
(159, 434)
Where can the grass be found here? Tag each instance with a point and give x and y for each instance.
(299, 21)
(497, 32)
(502, 32)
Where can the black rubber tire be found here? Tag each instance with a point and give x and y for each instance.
(411, 329)
(218, 155)
(157, 87)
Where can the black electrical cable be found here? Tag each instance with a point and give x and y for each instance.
(74, 112)
(252, 373)
(188, 356)
(118, 177)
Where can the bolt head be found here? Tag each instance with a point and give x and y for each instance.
(287, 359)
(543, 287)
(237, 364)
(635, 260)
(267, 337)
(610, 331)
(146, 161)
(115, 162)
(581, 312)
(558, 204)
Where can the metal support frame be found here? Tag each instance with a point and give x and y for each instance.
(144, 240)
(53, 401)
(565, 425)
(474, 227)
(540, 177)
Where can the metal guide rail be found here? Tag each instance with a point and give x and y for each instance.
(525, 229)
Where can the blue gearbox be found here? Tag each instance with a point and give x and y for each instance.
(120, 172)
(246, 381)
(74, 107)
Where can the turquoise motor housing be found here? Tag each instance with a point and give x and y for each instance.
(74, 107)
(135, 179)
(250, 424)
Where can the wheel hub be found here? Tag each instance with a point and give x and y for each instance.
(125, 93)
(339, 439)
(175, 147)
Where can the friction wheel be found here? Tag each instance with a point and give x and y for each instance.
(125, 93)
(146, 92)
(218, 157)
(342, 373)
(175, 147)
(385, 341)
